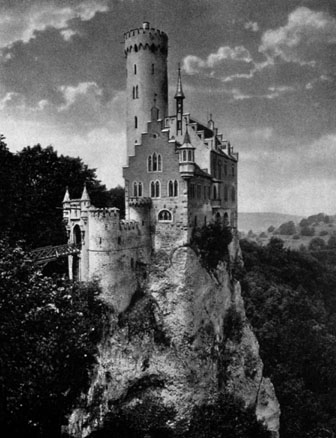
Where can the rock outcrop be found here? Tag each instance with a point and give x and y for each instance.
(182, 341)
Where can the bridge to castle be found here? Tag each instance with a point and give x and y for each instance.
(47, 254)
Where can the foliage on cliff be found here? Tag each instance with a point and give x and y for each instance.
(49, 329)
(291, 302)
(211, 243)
(32, 189)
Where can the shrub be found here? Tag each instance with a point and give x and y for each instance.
(270, 229)
(307, 231)
(263, 235)
(288, 228)
(316, 244)
(332, 242)
(296, 237)
(323, 233)
(211, 243)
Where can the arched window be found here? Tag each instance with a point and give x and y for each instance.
(190, 158)
(135, 122)
(175, 188)
(135, 189)
(218, 217)
(152, 189)
(226, 219)
(226, 195)
(154, 162)
(149, 163)
(165, 216)
(159, 163)
(157, 189)
(140, 189)
(233, 194)
(170, 188)
(184, 156)
(133, 94)
(219, 170)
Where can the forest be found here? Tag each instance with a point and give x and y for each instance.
(50, 327)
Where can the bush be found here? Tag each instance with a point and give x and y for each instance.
(316, 244)
(296, 237)
(211, 243)
(323, 233)
(288, 228)
(307, 231)
(263, 235)
(271, 229)
(332, 242)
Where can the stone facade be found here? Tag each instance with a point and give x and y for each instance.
(180, 175)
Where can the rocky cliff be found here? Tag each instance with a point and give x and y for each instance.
(183, 340)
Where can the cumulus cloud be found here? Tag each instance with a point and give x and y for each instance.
(84, 91)
(251, 25)
(301, 39)
(16, 26)
(193, 64)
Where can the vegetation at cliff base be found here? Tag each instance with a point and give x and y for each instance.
(211, 243)
(290, 299)
(49, 330)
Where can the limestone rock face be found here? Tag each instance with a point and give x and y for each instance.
(183, 339)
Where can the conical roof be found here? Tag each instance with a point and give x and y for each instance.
(85, 195)
(67, 195)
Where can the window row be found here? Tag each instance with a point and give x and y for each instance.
(155, 189)
(219, 170)
(135, 69)
(195, 191)
(154, 163)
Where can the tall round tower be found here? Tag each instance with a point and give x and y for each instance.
(146, 52)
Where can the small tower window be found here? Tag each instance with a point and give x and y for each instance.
(135, 48)
(135, 122)
(152, 189)
(165, 216)
(175, 188)
(152, 69)
(159, 163)
(184, 155)
(190, 156)
(157, 189)
(226, 196)
(155, 162)
(133, 93)
(233, 194)
(137, 92)
(135, 189)
(135, 69)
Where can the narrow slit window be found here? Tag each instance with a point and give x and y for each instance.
(135, 122)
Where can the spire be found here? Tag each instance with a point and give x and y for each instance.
(179, 92)
(66, 196)
(85, 196)
(186, 137)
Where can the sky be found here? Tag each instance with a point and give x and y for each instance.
(264, 69)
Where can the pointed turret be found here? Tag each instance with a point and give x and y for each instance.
(187, 157)
(179, 96)
(85, 197)
(66, 198)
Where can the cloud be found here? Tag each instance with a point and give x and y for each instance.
(84, 92)
(193, 64)
(251, 25)
(16, 26)
(301, 39)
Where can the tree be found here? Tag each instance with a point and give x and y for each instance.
(307, 231)
(32, 190)
(287, 228)
(316, 244)
(270, 229)
(49, 329)
(332, 242)
(289, 299)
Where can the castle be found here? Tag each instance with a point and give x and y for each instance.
(181, 174)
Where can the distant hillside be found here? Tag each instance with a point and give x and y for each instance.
(261, 221)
